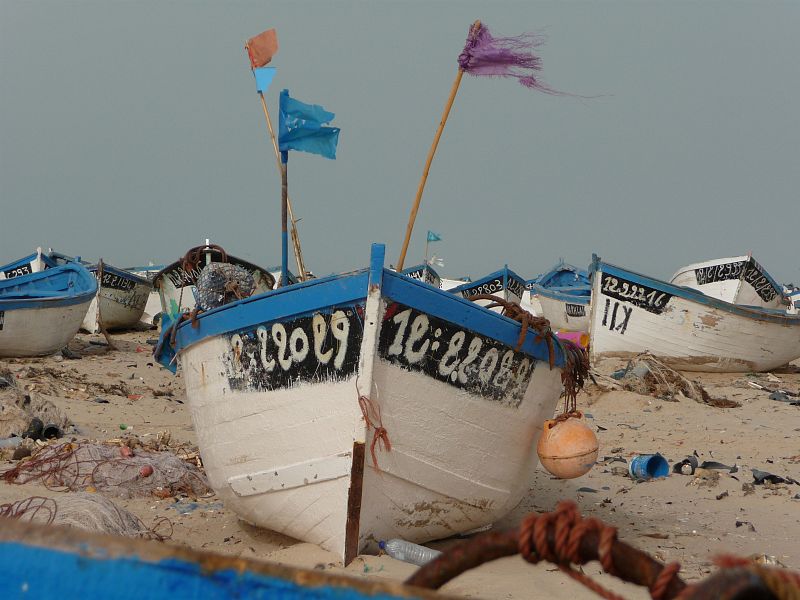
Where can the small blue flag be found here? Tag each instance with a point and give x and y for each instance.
(434, 237)
(264, 76)
(300, 127)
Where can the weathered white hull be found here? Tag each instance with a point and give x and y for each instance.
(631, 313)
(151, 308)
(564, 315)
(531, 303)
(282, 459)
(119, 309)
(41, 330)
(289, 401)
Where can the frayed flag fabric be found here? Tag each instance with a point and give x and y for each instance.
(434, 237)
(487, 56)
(264, 76)
(301, 127)
(261, 48)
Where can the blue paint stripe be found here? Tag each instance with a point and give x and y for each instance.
(751, 312)
(66, 285)
(505, 274)
(292, 301)
(462, 312)
(377, 258)
(562, 296)
(46, 574)
(121, 273)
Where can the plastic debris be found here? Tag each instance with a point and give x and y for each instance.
(409, 552)
(686, 467)
(644, 467)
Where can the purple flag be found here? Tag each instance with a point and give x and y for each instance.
(484, 55)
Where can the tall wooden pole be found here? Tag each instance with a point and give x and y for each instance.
(431, 152)
(284, 237)
(298, 255)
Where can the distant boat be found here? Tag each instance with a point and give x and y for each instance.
(564, 293)
(366, 406)
(633, 313)
(42, 311)
(176, 282)
(120, 300)
(738, 280)
(152, 308)
(424, 273)
(504, 284)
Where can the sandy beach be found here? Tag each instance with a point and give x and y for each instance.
(688, 518)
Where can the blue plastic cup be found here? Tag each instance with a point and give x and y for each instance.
(645, 467)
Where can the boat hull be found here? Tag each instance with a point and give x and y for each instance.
(632, 313)
(120, 300)
(291, 400)
(564, 313)
(39, 330)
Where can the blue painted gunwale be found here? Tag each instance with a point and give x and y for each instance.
(750, 312)
(49, 263)
(306, 298)
(505, 274)
(546, 279)
(121, 273)
(579, 296)
(63, 285)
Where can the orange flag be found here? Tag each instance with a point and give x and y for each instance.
(262, 48)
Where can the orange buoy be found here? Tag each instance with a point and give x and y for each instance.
(568, 447)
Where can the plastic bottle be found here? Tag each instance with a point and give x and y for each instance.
(409, 552)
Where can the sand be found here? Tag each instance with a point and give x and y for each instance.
(685, 518)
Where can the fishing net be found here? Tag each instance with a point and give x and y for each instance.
(112, 469)
(221, 283)
(648, 376)
(92, 512)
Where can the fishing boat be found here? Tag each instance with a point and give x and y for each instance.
(564, 293)
(33, 263)
(423, 272)
(688, 330)
(152, 308)
(504, 284)
(121, 295)
(51, 562)
(42, 311)
(176, 282)
(738, 280)
(365, 406)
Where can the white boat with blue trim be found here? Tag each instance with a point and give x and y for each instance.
(366, 406)
(738, 280)
(504, 284)
(41, 311)
(564, 294)
(688, 330)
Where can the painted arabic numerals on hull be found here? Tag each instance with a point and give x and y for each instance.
(18, 272)
(725, 272)
(444, 351)
(516, 287)
(575, 310)
(490, 287)
(110, 280)
(312, 349)
(756, 278)
(617, 314)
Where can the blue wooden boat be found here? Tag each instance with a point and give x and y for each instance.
(41, 312)
(504, 284)
(366, 406)
(564, 294)
(58, 563)
(33, 263)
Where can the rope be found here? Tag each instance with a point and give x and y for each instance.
(569, 529)
(381, 436)
(784, 584)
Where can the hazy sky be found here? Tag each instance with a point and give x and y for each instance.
(132, 130)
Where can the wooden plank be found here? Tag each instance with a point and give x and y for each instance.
(354, 503)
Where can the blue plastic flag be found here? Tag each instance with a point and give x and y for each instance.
(264, 76)
(300, 127)
(434, 237)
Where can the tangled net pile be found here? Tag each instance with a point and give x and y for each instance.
(112, 469)
(91, 512)
(221, 283)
